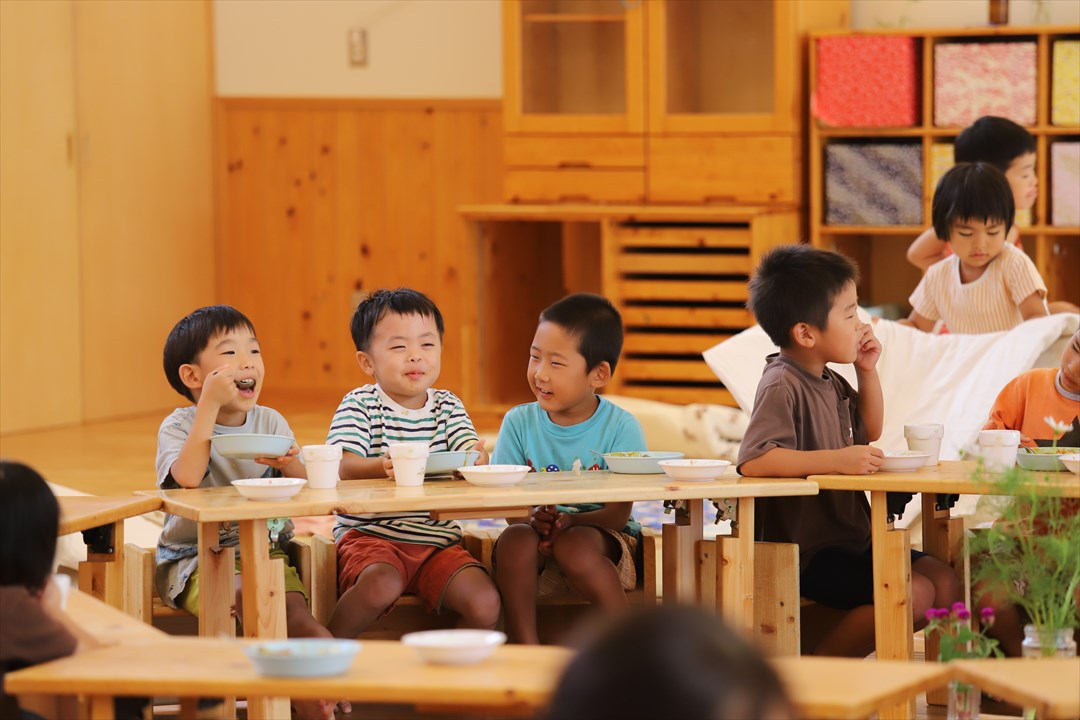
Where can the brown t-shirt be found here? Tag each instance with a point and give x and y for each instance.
(796, 410)
(28, 636)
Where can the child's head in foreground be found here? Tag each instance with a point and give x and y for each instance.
(212, 340)
(574, 353)
(29, 519)
(802, 294)
(669, 661)
(398, 337)
(1070, 365)
(973, 211)
(1008, 147)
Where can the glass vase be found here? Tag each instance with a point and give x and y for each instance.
(964, 701)
(1038, 644)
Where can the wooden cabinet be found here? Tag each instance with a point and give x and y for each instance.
(678, 275)
(661, 101)
(880, 248)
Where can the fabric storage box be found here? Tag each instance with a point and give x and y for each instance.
(1065, 91)
(1065, 183)
(867, 81)
(976, 79)
(873, 184)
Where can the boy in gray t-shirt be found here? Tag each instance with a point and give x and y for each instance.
(808, 420)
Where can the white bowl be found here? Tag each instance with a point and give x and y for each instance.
(448, 462)
(638, 463)
(269, 488)
(903, 460)
(494, 475)
(695, 469)
(454, 647)
(1071, 461)
(247, 446)
(305, 657)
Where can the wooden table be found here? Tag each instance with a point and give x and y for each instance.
(516, 678)
(839, 688)
(101, 521)
(104, 623)
(1050, 685)
(942, 536)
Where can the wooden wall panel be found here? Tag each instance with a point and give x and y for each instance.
(40, 355)
(320, 200)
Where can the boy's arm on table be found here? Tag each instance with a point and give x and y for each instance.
(354, 467)
(782, 462)
(926, 250)
(289, 464)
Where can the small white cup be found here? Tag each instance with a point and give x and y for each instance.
(925, 438)
(323, 463)
(63, 586)
(998, 448)
(410, 461)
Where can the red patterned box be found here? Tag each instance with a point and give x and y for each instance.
(976, 79)
(867, 81)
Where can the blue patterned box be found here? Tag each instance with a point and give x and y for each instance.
(873, 184)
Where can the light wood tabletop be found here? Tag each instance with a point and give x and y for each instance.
(515, 677)
(839, 688)
(106, 624)
(84, 512)
(1050, 685)
(949, 476)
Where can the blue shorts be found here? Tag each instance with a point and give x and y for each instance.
(841, 578)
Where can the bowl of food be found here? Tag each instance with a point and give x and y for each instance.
(302, 657)
(444, 463)
(1044, 459)
(494, 475)
(695, 469)
(454, 647)
(1071, 462)
(269, 489)
(903, 460)
(638, 463)
(248, 446)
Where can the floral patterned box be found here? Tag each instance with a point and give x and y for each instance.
(1065, 183)
(873, 184)
(867, 81)
(976, 79)
(1065, 91)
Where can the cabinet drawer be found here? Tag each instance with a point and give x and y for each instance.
(555, 151)
(578, 186)
(732, 169)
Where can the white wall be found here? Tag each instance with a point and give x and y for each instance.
(917, 14)
(416, 48)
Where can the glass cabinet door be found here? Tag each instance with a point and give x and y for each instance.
(716, 66)
(574, 65)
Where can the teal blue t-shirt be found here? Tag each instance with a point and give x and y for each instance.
(528, 437)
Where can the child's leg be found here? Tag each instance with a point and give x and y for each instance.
(933, 584)
(587, 558)
(853, 636)
(376, 589)
(1008, 627)
(517, 566)
(472, 595)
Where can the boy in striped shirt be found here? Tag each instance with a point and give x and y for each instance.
(398, 337)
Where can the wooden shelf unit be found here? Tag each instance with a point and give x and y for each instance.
(678, 276)
(880, 249)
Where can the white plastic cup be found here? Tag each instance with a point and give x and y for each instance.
(63, 587)
(998, 448)
(925, 438)
(410, 461)
(323, 463)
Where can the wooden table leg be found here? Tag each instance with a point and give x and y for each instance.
(680, 549)
(893, 625)
(943, 539)
(264, 603)
(217, 597)
(101, 707)
(102, 575)
(735, 571)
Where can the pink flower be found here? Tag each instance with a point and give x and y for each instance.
(958, 606)
(963, 613)
(987, 613)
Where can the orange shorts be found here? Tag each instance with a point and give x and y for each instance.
(426, 570)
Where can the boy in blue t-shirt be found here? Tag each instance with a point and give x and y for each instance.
(587, 548)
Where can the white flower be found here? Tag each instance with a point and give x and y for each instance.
(1057, 426)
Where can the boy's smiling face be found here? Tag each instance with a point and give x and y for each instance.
(564, 388)
(1023, 181)
(404, 356)
(234, 354)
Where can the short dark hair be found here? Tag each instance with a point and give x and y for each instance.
(994, 140)
(29, 519)
(797, 283)
(192, 334)
(972, 191)
(668, 661)
(594, 322)
(403, 301)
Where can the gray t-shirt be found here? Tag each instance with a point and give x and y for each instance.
(796, 410)
(178, 548)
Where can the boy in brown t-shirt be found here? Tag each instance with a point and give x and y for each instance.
(808, 420)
